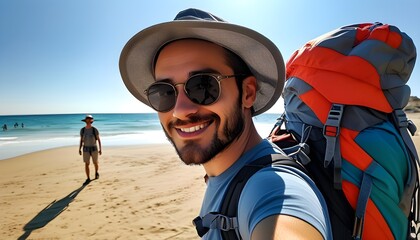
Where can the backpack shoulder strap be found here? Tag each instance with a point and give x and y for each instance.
(226, 219)
(95, 132)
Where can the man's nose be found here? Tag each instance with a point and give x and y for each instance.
(184, 107)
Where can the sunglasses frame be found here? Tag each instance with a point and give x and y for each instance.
(217, 77)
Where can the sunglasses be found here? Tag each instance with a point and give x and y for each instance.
(202, 89)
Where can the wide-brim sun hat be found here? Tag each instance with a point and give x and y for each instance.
(259, 53)
(88, 117)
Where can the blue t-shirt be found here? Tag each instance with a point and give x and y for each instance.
(270, 191)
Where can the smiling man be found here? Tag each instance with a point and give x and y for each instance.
(207, 78)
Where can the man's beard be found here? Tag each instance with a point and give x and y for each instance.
(192, 154)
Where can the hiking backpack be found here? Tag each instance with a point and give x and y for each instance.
(344, 97)
(344, 121)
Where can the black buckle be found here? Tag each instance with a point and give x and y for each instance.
(198, 223)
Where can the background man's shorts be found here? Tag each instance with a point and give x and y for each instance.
(90, 151)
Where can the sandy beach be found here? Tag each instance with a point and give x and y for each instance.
(144, 192)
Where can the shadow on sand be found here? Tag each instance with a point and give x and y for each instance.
(49, 213)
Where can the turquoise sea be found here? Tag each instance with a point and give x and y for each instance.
(42, 132)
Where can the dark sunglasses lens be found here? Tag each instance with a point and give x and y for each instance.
(202, 89)
(161, 97)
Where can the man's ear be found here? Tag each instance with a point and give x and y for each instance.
(249, 91)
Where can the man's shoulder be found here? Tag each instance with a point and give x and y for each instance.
(280, 175)
(95, 130)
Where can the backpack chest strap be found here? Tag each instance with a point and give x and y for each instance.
(216, 221)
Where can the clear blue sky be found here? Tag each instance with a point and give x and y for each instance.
(62, 56)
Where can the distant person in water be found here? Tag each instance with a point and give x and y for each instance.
(4, 127)
(23, 125)
(89, 135)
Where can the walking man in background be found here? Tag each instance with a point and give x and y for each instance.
(88, 137)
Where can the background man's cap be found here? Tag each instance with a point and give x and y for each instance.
(87, 117)
(261, 55)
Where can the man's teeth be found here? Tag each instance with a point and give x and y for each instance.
(193, 129)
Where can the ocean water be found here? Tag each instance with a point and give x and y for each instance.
(42, 132)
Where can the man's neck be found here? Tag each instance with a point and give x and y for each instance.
(222, 161)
